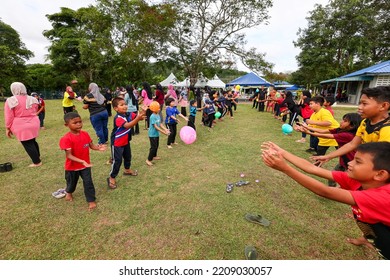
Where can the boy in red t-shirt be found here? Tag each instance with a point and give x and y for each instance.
(76, 144)
(365, 186)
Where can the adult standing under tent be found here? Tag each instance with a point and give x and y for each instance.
(21, 120)
(255, 100)
(262, 96)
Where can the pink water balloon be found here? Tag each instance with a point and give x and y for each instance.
(187, 135)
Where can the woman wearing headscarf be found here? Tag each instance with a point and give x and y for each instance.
(172, 94)
(147, 97)
(21, 120)
(67, 101)
(94, 101)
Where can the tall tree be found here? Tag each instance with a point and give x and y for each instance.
(13, 55)
(208, 31)
(79, 42)
(139, 32)
(341, 37)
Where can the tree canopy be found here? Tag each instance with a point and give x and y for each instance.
(341, 37)
(122, 40)
(13, 55)
(212, 32)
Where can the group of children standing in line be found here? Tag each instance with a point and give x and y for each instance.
(363, 172)
(76, 143)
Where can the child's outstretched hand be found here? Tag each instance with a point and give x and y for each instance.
(271, 146)
(142, 114)
(102, 148)
(274, 159)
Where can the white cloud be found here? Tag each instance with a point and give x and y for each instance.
(28, 17)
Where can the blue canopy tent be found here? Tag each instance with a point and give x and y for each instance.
(294, 87)
(248, 80)
(281, 85)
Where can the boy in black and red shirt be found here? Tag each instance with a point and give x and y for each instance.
(76, 144)
(120, 140)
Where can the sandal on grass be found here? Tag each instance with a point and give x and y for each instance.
(60, 193)
(257, 219)
(250, 253)
(229, 187)
(111, 185)
(242, 183)
(131, 173)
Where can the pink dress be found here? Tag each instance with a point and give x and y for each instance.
(24, 123)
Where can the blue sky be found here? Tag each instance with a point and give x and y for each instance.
(275, 39)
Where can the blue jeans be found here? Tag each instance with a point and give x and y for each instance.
(99, 122)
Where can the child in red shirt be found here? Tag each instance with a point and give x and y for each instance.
(365, 186)
(76, 144)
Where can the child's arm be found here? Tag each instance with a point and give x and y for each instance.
(275, 160)
(349, 147)
(101, 148)
(326, 135)
(140, 116)
(70, 156)
(162, 129)
(41, 109)
(297, 161)
(319, 123)
(314, 129)
(184, 117)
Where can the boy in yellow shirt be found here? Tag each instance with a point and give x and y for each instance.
(322, 119)
(374, 108)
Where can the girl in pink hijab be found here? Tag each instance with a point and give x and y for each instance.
(171, 93)
(21, 120)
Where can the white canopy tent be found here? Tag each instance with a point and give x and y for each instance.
(216, 82)
(171, 79)
(202, 82)
(185, 83)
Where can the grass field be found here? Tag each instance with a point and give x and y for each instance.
(177, 209)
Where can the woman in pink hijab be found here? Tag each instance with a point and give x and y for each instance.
(171, 93)
(21, 120)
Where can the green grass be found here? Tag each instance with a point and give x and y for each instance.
(177, 209)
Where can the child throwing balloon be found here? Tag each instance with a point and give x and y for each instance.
(154, 132)
(171, 121)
